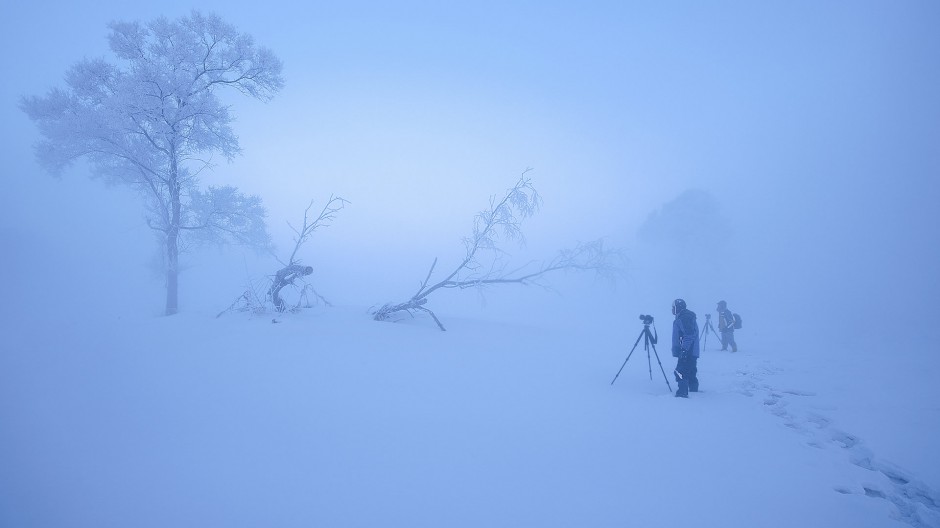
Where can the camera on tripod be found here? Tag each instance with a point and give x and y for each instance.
(649, 341)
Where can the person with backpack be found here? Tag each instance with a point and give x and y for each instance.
(726, 326)
(685, 346)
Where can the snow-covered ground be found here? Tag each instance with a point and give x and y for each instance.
(327, 418)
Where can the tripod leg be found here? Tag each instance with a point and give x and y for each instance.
(662, 369)
(714, 332)
(628, 357)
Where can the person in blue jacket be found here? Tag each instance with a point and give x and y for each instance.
(685, 347)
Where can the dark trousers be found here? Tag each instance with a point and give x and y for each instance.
(686, 375)
(727, 338)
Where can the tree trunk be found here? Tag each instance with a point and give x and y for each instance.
(172, 241)
(172, 274)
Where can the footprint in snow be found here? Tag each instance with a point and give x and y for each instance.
(914, 502)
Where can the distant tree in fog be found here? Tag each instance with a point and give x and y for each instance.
(689, 242)
(154, 121)
(692, 220)
(485, 264)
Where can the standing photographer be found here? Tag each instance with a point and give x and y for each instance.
(726, 327)
(685, 347)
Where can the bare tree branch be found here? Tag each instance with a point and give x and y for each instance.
(324, 219)
(504, 217)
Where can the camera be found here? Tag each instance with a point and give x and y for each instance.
(647, 319)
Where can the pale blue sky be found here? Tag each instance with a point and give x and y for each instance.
(814, 124)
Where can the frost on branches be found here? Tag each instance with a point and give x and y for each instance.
(153, 121)
(262, 296)
(484, 263)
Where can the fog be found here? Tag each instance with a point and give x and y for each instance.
(780, 156)
(783, 158)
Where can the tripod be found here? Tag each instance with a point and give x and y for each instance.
(705, 328)
(650, 340)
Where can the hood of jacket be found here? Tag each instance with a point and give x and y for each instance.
(688, 318)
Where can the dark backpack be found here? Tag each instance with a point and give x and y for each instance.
(737, 321)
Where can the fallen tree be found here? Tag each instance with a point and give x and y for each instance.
(484, 263)
(291, 270)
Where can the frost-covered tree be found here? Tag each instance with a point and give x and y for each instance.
(153, 121)
(486, 264)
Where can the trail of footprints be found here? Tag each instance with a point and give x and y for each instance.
(916, 504)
